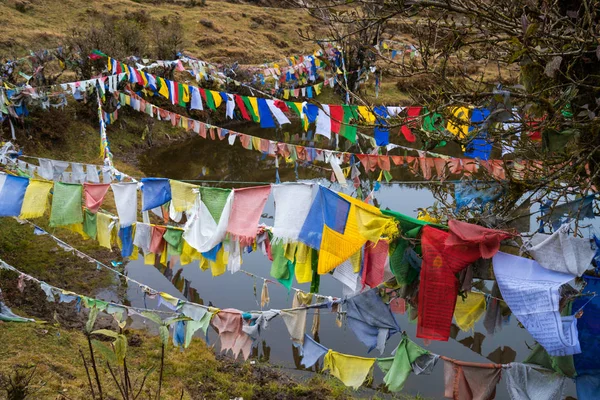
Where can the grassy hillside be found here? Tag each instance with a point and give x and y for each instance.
(219, 31)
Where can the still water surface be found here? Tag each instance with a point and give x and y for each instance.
(202, 159)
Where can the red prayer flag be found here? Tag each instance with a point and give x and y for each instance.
(240, 103)
(465, 234)
(411, 115)
(374, 263)
(336, 113)
(438, 287)
(384, 163)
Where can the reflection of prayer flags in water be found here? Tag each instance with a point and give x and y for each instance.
(480, 146)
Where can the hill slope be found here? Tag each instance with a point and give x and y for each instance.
(219, 31)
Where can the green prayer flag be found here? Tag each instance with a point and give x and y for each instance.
(250, 109)
(181, 90)
(90, 225)
(174, 240)
(91, 303)
(346, 130)
(398, 368)
(215, 200)
(433, 122)
(294, 107)
(210, 101)
(399, 261)
(316, 278)
(66, 204)
(279, 267)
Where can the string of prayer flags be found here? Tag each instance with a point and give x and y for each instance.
(532, 293)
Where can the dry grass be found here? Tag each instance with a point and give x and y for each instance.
(238, 32)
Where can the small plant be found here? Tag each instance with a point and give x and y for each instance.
(18, 385)
(23, 6)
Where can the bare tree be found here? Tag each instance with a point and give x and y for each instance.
(533, 63)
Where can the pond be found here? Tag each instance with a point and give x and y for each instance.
(200, 159)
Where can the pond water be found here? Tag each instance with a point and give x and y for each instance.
(198, 158)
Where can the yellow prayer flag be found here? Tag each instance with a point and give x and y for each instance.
(366, 114)
(149, 258)
(183, 195)
(220, 266)
(468, 311)
(458, 125)
(256, 143)
(36, 199)
(216, 97)
(351, 370)
(103, 223)
(188, 254)
(303, 263)
(365, 222)
(186, 93)
(286, 94)
(164, 88)
(254, 104)
(318, 88)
